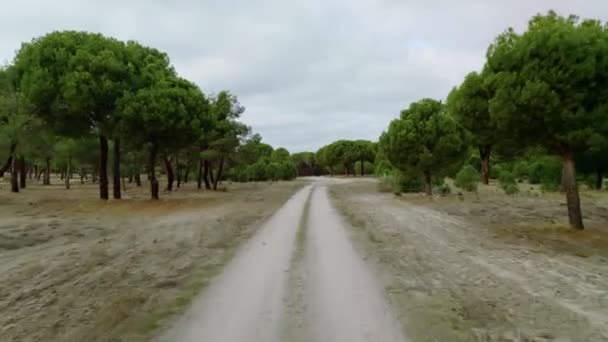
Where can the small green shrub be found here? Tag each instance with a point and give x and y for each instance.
(273, 171)
(409, 183)
(495, 171)
(508, 183)
(510, 189)
(467, 179)
(521, 170)
(546, 171)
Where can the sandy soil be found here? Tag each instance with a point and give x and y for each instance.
(346, 301)
(485, 267)
(298, 279)
(244, 304)
(75, 269)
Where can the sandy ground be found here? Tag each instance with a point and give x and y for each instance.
(298, 279)
(485, 267)
(346, 301)
(73, 268)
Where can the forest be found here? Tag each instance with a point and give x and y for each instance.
(81, 104)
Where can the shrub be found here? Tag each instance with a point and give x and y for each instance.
(521, 170)
(288, 171)
(546, 171)
(467, 179)
(256, 172)
(508, 183)
(409, 183)
(273, 171)
(495, 171)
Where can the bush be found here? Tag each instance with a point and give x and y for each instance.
(273, 171)
(546, 171)
(256, 172)
(288, 171)
(521, 170)
(508, 183)
(496, 171)
(409, 183)
(467, 179)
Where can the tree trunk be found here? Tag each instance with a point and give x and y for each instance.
(427, 183)
(208, 175)
(94, 174)
(22, 173)
(14, 175)
(116, 170)
(170, 174)
(152, 172)
(219, 173)
(9, 161)
(199, 176)
(484, 156)
(31, 173)
(47, 172)
(62, 177)
(103, 168)
(572, 198)
(362, 167)
(67, 171)
(178, 172)
(124, 184)
(138, 179)
(130, 178)
(82, 172)
(187, 171)
(599, 180)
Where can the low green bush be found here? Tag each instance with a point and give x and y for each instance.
(521, 170)
(508, 183)
(546, 171)
(495, 171)
(467, 178)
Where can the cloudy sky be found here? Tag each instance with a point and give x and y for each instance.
(308, 71)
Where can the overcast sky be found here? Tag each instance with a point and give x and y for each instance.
(308, 71)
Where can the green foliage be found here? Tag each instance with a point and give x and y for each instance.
(551, 82)
(508, 183)
(273, 171)
(279, 155)
(408, 182)
(424, 140)
(497, 169)
(545, 171)
(257, 172)
(172, 114)
(467, 179)
(288, 170)
(521, 169)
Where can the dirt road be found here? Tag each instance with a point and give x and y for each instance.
(298, 279)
